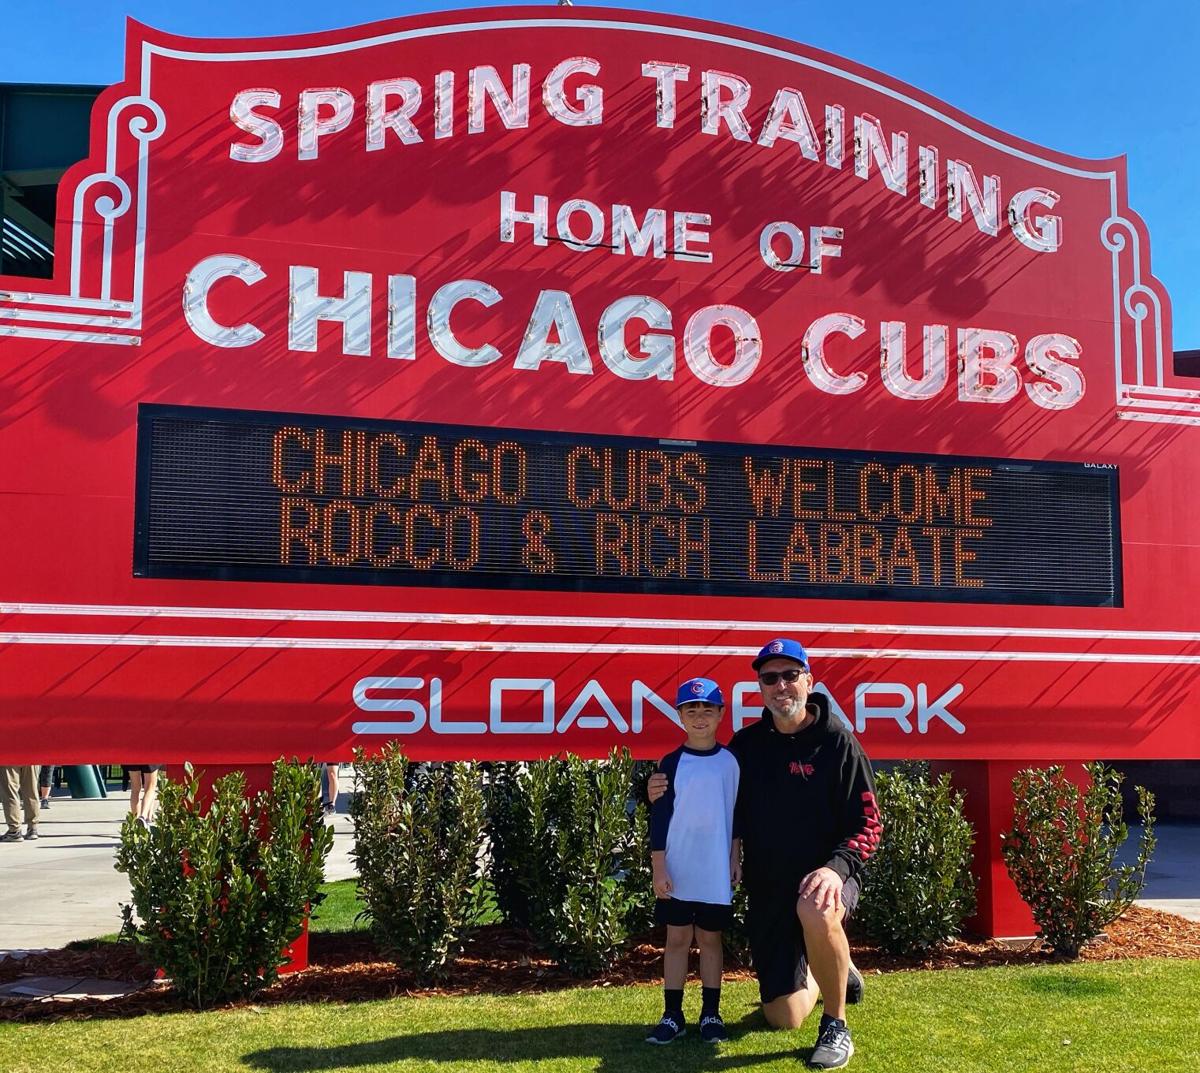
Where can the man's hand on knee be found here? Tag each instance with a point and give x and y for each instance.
(821, 889)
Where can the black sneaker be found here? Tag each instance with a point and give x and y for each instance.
(712, 1028)
(834, 1046)
(854, 987)
(667, 1030)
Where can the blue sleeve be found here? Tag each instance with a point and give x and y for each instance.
(662, 809)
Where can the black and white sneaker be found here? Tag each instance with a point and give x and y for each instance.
(854, 987)
(712, 1028)
(667, 1030)
(834, 1046)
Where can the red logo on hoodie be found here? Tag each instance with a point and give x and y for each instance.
(797, 768)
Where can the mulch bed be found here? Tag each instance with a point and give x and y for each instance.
(499, 960)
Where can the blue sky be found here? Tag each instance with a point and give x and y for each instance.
(1095, 79)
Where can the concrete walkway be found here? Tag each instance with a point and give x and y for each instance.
(64, 887)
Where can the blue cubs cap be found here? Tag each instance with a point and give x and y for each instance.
(782, 648)
(702, 689)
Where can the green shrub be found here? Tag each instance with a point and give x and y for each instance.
(508, 830)
(917, 887)
(637, 876)
(569, 844)
(419, 847)
(736, 937)
(219, 892)
(1062, 847)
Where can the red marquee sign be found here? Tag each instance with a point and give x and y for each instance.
(471, 378)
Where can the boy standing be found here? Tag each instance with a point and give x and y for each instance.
(696, 858)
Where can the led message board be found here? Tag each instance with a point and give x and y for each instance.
(255, 496)
(886, 378)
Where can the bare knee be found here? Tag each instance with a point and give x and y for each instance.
(679, 939)
(791, 1011)
(782, 1018)
(815, 919)
(708, 940)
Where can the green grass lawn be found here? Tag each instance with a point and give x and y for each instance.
(1090, 1018)
(337, 912)
(341, 906)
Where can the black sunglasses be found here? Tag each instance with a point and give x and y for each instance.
(769, 678)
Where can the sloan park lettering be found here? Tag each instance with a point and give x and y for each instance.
(636, 336)
(243, 494)
(399, 706)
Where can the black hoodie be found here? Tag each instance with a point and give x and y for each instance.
(804, 800)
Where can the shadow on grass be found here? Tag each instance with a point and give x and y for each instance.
(1068, 987)
(608, 1048)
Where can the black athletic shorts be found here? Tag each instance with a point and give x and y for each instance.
(777, 939)
(707, 916)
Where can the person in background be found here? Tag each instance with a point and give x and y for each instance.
(330, 785)
(45, 781)
(19, 792)
(143, 790)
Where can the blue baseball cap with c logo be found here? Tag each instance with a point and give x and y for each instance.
(782, 648)
(699, 689)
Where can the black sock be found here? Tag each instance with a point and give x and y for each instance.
(673, 1002)
(710, 1001)
(827, 1020)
